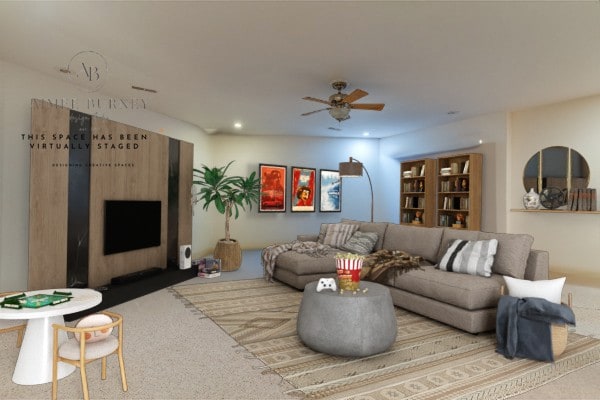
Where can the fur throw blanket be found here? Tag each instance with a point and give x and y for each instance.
(375, 264)
(269, 254)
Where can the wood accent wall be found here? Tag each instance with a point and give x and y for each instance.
(139, 172)
(48, 198)
(125, 174)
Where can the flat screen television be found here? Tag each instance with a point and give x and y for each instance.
(131, 225)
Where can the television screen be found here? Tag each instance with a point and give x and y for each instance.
(131, 225)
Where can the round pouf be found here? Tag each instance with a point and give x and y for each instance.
(354, 325)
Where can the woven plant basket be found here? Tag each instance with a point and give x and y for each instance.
(230, 254)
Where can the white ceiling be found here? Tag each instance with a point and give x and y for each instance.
(214, 63)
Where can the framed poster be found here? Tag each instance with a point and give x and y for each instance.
(272, 188)
(303, 189)
(330, 191)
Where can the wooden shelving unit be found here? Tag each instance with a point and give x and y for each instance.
(417, 192)
(459, 180)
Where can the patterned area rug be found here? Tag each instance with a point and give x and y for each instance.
(429, 360)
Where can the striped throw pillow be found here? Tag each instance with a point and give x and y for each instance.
(361, 242)
(338, 234)
(473, 257)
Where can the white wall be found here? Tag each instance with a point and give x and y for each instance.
(17, 87)
(255, 230)
(456, 137)
(572, 239)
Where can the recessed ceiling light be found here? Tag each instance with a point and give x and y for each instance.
(480, 141)
(237, 125)
(366, 133)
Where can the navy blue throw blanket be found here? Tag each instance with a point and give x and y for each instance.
(523, 326)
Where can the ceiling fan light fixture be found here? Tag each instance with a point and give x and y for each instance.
(340, 112)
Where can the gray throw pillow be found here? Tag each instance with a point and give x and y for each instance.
(361, 242)
(338, 234)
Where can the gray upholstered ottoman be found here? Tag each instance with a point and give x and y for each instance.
(347, 324)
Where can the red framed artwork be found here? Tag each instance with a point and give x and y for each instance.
(272, 188)
(302, 193)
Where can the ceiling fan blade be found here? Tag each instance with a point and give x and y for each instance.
(317, 100)
(355, 95)
(316, 111)
(365, 106)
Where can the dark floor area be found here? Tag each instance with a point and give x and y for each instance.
(115, 294)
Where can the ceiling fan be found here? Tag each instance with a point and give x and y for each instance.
(340, 103)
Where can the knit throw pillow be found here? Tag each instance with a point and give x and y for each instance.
(338, 234)
(473, 257)
(361, 242)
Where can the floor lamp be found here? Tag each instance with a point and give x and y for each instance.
(352, 169)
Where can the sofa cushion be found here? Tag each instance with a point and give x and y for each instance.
(416, 241)
(361, 242)
(378, 227)
(473, 257)
(306, 264)
(469, 292)
(338, 234)
(513, 251)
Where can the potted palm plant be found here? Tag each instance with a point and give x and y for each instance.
(229, 194)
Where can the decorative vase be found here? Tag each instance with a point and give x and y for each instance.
(348, 270)
(230, 254)
(531, 200)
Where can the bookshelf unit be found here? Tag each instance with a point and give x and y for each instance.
(417, 192)
(459, 191)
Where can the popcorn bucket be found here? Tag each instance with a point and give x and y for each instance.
(348, 271)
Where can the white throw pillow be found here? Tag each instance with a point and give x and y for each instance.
(473, 257)
(91, 321)
(550, 290)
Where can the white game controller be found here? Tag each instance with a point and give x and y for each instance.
(326, 283)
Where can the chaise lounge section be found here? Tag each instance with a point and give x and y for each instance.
(462, 300)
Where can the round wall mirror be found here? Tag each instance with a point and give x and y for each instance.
(557, 167)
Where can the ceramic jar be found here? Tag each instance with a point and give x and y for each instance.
(531, 200)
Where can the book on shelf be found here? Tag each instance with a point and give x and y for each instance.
(466, 167)
(582, 200)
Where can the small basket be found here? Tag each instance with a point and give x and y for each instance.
(558, 333)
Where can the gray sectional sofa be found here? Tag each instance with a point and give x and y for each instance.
(465, 301)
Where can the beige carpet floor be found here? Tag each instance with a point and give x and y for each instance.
(428, 361)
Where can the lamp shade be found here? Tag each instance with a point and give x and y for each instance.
(351, 169)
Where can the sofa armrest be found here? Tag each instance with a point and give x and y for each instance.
(538, 265)
(307, 238)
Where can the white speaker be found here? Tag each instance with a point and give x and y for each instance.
(185, 256)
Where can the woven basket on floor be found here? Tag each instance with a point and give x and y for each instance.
(559, 333)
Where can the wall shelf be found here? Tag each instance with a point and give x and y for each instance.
(553, 211)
